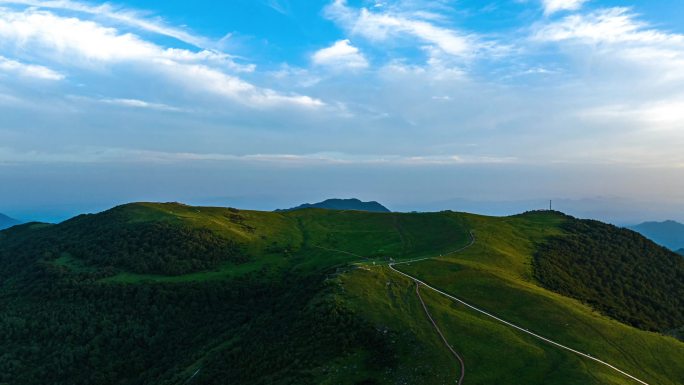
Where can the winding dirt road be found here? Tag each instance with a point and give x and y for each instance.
(547, 340)
(458, 357)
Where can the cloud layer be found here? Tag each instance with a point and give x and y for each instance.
(87, 46)
(408, 83)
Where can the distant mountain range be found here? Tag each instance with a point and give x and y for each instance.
(6, 222)
(344, 204)
(669, 233)
(680, 251)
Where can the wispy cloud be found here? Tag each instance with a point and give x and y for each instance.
(28, 70)
(280, 6)
(90, 46)
(618, 36)
(121, 15)
(104, 155)
(380, 26)
(609, 25)
(130, 103)
(553, 6)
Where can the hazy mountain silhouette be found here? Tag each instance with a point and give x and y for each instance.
(6, 222)
(344, 204)
(669, 233)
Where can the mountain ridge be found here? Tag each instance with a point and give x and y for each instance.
(343, 204)
(306, 297)
(6, 221)
(667, 233)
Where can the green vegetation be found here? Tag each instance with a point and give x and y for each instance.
(616, 271)
(120, 239)
(499, 278)
(301, 297)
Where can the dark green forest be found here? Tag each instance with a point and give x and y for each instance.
(62, 324)
(80, 333)
(616, 271)
(65, 328)
(111, 239)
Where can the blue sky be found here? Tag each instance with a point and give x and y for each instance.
(419, 104)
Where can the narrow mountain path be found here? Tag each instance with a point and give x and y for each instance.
(547, 340)
(338, 251)
(458, 357)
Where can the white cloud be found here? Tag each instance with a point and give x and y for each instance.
(610, 53)
(91, 46)
(205, 79)
(615, 37)
(71, 39)
(136, 103)
(121, 15)
(385, 26)
(28, 70)
(611, 25)
(651, 116)
(341, 55)
(553, 6)
(133, 103)
(217, 59)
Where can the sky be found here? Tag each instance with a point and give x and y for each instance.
(487, 106)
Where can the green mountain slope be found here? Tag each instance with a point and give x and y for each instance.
(617, 271)
(496, 274)
(301, 297)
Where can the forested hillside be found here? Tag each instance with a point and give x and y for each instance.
(241, 296)
(173, 294)
(617, 271)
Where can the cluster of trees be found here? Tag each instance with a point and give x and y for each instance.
(618, 272)
(61, 326)
(58, 328)
(153, 247)
(112, 240)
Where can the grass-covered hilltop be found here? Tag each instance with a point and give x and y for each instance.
(153, 293)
